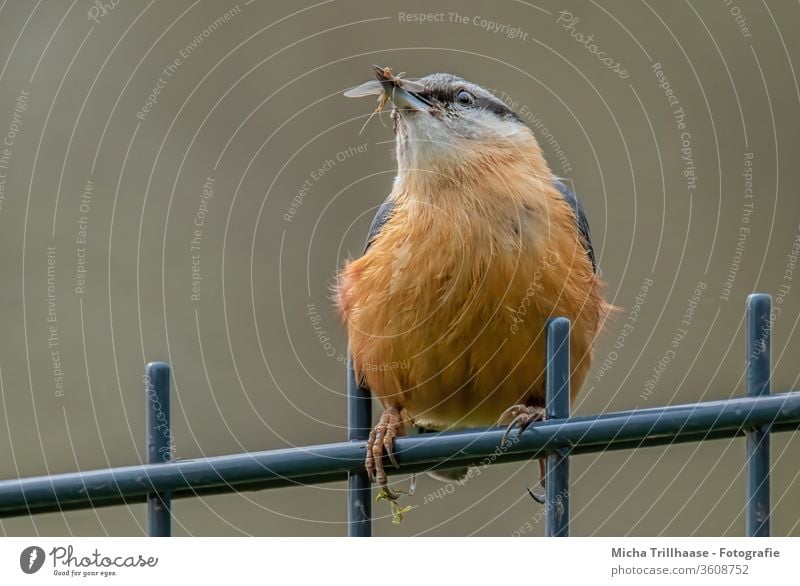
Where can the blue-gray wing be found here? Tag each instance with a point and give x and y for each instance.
(580, 219)
(381, 217)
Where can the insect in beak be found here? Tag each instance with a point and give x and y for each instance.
(404, 93)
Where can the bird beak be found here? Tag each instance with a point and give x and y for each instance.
(402, 98)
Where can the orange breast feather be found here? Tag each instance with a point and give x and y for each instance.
(446, 311)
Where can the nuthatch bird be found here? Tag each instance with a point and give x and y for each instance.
(476, 247)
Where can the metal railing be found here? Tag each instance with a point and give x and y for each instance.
(161, 480)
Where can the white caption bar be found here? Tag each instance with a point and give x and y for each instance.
(342, 561)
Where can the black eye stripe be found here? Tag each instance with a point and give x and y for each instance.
(496, 107)
(448, 94)
(443, 95)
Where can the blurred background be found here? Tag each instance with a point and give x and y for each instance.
(179, 181)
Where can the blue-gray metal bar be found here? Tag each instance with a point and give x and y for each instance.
(159, 444)
(359, 422)
(557, 385)
(332, 462)
(758, 385)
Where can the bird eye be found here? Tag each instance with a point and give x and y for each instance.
(465, 98)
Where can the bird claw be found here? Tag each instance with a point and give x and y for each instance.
(523, 415)
(539, 498)
(387, 493)
(380, 443)
(390, 453)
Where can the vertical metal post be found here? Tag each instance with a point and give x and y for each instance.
(558, 399)
(359, 423)
(159, 444)
(758, 384)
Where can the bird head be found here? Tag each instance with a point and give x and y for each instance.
(448, 125)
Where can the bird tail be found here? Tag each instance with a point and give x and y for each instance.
(457, 475)
(452, 475)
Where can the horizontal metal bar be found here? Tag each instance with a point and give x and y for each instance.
(115, 499)
(330, 462)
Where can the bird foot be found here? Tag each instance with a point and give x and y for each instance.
(522, 417)
(380, 442)
(540, 497)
